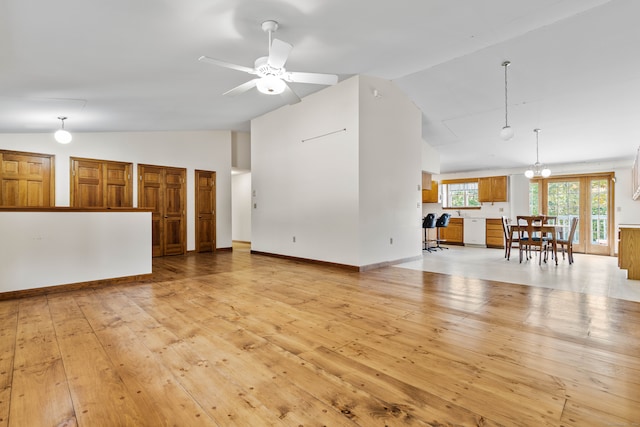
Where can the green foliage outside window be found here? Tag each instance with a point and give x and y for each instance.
(461, 195)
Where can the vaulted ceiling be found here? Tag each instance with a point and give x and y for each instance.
(131, 65)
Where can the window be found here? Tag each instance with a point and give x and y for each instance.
(460, 194)
(534, 198)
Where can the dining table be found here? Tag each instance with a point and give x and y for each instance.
(550, 230)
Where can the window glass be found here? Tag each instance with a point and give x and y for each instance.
(461, 195)
(534, 198)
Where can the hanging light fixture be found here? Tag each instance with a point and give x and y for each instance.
(271, 85)
(61, 135)
(537, 168)
(507, 132)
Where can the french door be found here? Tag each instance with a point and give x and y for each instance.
(586, 197)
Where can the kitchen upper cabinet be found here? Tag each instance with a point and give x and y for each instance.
(492, 189)
(431, 195)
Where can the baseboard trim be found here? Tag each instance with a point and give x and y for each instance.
(48, 290)
(348, 267)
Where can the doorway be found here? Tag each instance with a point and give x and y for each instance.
(586, 197)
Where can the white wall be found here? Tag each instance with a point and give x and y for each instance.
(206, 150)
(241, 150)
(340, 172)
(430, 158)
(43, 249)
(390, 167)
(241, 207)
(308, 190)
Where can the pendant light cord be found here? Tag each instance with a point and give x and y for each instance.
(537, 157)
(505, 64)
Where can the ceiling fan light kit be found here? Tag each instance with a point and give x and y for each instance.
(507, 132)
(272, 77)
(61, 135)
(537, 169)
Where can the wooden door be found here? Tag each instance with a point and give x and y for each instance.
(101, 184)
(587, 197)
(26, 179)
(86, 188)
(162, 190)
(174, 211)
(119, 191)
(205, 211)
(151, 196)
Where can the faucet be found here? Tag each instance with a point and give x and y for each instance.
(459, 214)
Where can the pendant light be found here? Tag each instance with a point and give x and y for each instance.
(537, 169)
(507, 132)
(61, 135)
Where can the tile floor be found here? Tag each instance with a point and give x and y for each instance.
(589, 274)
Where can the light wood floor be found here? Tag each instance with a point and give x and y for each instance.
(234, 339)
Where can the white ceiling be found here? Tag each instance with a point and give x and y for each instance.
(131, 65)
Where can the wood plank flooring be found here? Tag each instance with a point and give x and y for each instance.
(234, 339)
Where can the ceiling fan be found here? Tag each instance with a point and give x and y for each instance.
(272, 77)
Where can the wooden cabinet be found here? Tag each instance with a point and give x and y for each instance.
(431, 195)
(629, 250)
(492, 189)
(494, 233)
(453, 234)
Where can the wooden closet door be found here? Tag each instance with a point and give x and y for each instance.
(205, 211)
(101, 183)
(151, 196)
(119, 191)
(174, 212)
(87, 184)
(26, 179)
(163, 190)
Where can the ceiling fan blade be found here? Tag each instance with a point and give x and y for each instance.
(278, 53)
(314, 78)
(226, 64)
(289, 95)
(242, 88)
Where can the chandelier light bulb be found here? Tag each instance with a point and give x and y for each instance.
(537, 169)
(62, 136)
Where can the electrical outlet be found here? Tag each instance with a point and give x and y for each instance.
(294, 239)
(391, 240)
(501, 210)
(255, 206)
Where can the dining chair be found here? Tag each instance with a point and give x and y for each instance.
(510, 241)
(529, 237)
(568, 243)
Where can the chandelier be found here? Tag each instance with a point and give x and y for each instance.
(537, 169)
